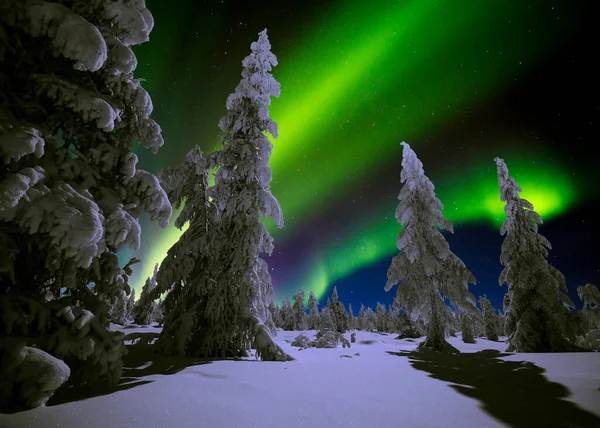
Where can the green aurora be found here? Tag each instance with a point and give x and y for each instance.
(367, 76)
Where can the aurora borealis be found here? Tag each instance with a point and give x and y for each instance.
(460, 81)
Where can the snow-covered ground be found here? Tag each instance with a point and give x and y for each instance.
(372, 384)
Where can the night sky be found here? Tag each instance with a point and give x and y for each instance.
(461, 81)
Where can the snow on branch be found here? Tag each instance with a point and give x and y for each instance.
(132, 22)
(71, 35)
(91, 106)
(17, 142)
(153, 198)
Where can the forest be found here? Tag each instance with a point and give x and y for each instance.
(71, 195)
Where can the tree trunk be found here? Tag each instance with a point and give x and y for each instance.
(436, 340)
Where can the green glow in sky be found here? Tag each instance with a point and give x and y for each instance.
(368, 75)
(380, 72)
(469, 197)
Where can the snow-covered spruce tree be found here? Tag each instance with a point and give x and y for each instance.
(588, 319)
(130, 306)
(490, 320)
(117, 312)
(360, 318)
(326, 320)
(396, 319)
(145, 310)
(351, 318)
(500, 321)
(298, 309)
(70, 192)
(392, 318)
(407, 328)
(275, 314)
(467, 315)
(370, 319)
(159, 313)
(227, 312)
(382, 323)
(425, 266)
(590, 298)
(536, 289)
(287, 314)
(313, 309)
(185, 273)
(242, 196)
(338, 312)
(466, 329)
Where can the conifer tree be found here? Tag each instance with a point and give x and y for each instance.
(159, 312)
(588, 325)
(313, 308)
(287, 314)
(186, 270)
(395, 320)
(326, 320)
(275, 314)
(351, 318)
(145, 310)
(501, 319)
(490, 320)
(338, 312)
(590, 298)
(381, 313)
(70, 190)
(370, 319)
(227, 314)
(360, 318)
(130, 306)
(466, 328)
(298, 309)
(536, 289)
(117, 312)
(425, 266)
(242, 195)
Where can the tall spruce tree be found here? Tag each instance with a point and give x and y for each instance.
(145, 310)
(186, 270)
(381, 312)
(351, 317)
(298, 309)
(425, 266)
(338, 312)
(466, 328)
(130, 306)
(243, 196)
(70, 190)
(287, 314)
(227, 314)
(313, 308)
(360, 318)
(536, 289)
(370, 319)
(490, 320)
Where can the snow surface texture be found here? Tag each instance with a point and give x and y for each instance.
(337, 388)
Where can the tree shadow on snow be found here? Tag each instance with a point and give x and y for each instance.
(515, 393)
(139, 363)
